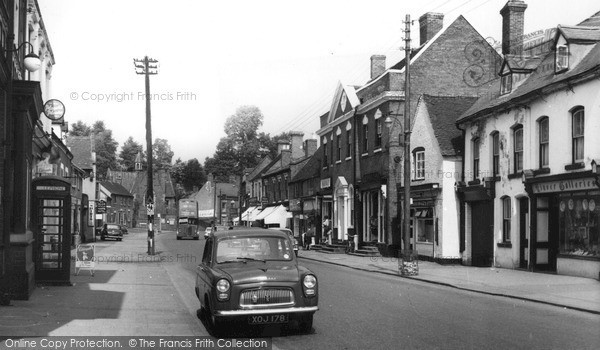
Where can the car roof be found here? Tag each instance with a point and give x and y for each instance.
(249, 231)
(117, 225)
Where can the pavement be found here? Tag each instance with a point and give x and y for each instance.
(576, 293)
(133, 293)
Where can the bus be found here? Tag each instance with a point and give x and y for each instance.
(188, 223)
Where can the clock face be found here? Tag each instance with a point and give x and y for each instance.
(343, 101)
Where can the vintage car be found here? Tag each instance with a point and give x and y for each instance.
(252, 276)
(291, 234)
(111, 231)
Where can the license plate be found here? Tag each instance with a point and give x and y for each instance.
(268, 319)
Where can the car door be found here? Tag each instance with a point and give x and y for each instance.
(203, 278)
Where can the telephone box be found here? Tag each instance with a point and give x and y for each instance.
(51, 218)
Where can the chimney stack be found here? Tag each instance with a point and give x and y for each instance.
(310, 147)
(296, 138)
(513, 15)
(377, 66)
(430, 24)
(282, 145)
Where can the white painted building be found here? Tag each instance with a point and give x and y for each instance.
(530, 148)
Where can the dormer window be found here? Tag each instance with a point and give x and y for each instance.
(505, 84)
(562, 58)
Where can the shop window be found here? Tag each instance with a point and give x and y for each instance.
(544, 138)
(518, 148)
(424, 225)
(496, 153)
(579, 225)
(578, 119)
(475, 148)
(506, 216)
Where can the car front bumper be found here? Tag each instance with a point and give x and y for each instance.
(288, 310)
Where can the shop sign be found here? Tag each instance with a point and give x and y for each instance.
(101, 208)
(84, 258)
(587, 183)
(50, 188)
(421, 203)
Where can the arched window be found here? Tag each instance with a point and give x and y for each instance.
(578, 122)
(544, 142)
(495, 153)
(475, 148)
(518, 148)
(506, 216)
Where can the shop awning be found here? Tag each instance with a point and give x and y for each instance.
(278, 216)
(264, 213)
(250, 213)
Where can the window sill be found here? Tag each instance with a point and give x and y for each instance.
(541, 171)
(377, 150)
(365, 154)
(504, 245)
(575, 166)
(338, 162)
(418, 179)
(515, 175)
(348, 158)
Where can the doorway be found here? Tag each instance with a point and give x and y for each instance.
(524, 232)
(482, 234)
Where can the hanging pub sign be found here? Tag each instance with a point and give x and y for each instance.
(54, 109)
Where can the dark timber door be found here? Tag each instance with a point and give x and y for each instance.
(482, 235)
(523, 232)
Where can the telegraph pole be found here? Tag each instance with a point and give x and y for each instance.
(148, 66)
(409, 255)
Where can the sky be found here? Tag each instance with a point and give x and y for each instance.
(285, 57)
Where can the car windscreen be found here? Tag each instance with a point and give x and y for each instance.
(261, 248)
(112, 227)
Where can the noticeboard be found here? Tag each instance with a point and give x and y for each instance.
(85, 258)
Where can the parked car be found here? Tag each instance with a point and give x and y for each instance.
(252, 276)
(291, 234)
(111, 231)
(124, 229)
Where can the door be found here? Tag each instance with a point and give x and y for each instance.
(546, 230)
(524, 232)
(482, 235)
(53, 256)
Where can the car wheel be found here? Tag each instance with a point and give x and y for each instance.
(103, 238)
(178, 238)
(305, 323)
(196, 238)
(214, 322)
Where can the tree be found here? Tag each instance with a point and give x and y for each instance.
(162, 155)
(106, 152)
(129, 152)
(243, 125)
(80, 129)
(188, 175)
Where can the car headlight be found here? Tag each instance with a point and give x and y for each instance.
(309, 281)
(309, 284)
(223, 285)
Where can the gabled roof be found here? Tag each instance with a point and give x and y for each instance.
(541, 80)
(259, 169)
(275, 166)
(594, 20)
(443, 112)
(81, 148)
(349, 92)
(311, 169)
(521, 64)
(579, 33)
(115, 189)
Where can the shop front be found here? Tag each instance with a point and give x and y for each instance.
(565, 224)
(424, 218)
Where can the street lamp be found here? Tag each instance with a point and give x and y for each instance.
(31, 61)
